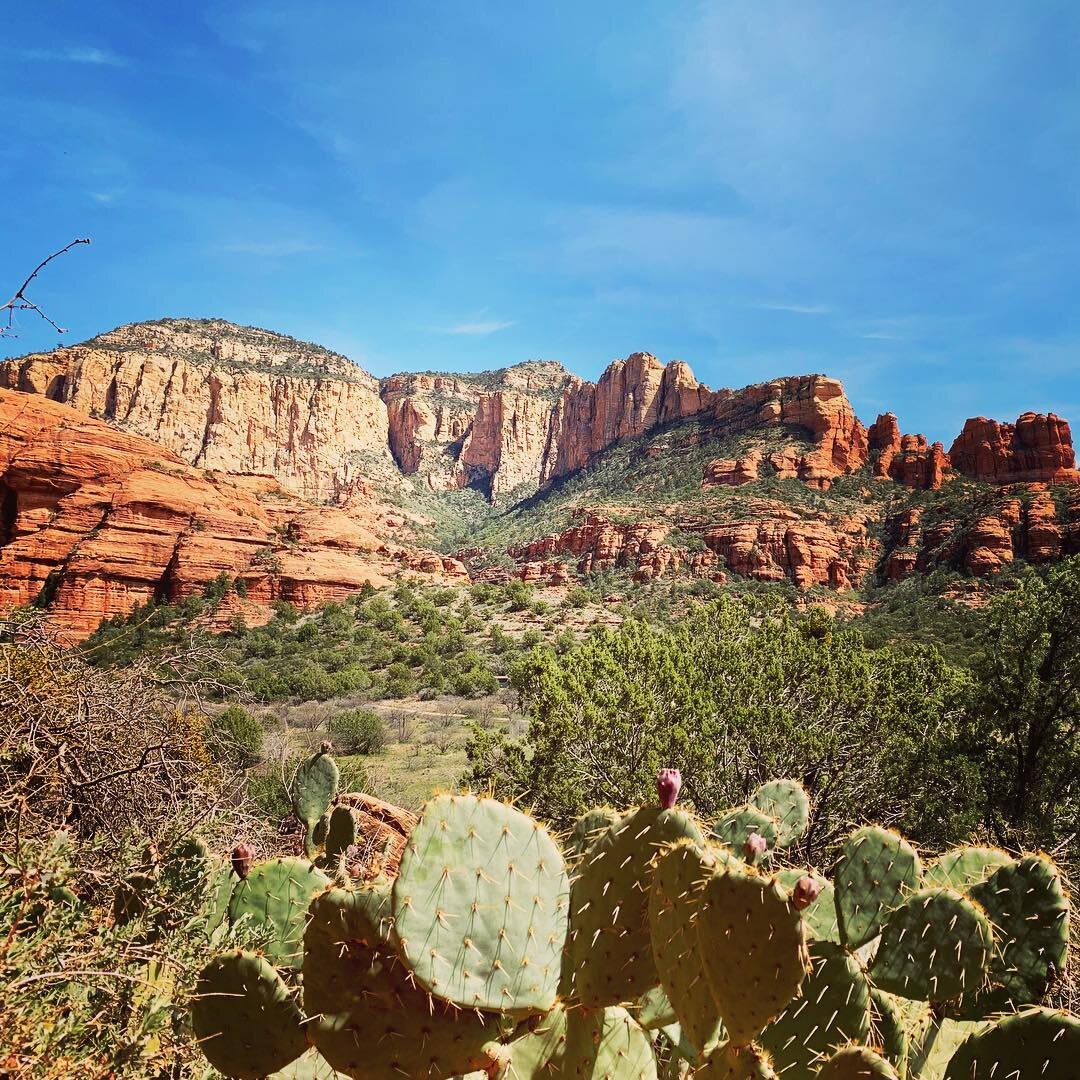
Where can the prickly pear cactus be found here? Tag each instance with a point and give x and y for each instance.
(653, 1011)
(1027, 908)
(889, 1030)
(245, 1019)
(963, 867)
(819, 916)
(340, 833)
(314, 788)
(737, 1063)
(368, 1016)
(480, 906)
(1037, 1043)
(276, 895)
(877, 869)
(586, 829)
(609, 954)
(606, 1044)
(857, 1063)
(678, 883)
(536, 1053)
(186, 869)
(832, 1010)
(737, 826)
(788, 804)
(752, 941)
(935, 946)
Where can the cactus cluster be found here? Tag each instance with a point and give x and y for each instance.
(669, 945)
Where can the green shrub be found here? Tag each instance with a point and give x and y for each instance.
(235, 736)
(358, 731)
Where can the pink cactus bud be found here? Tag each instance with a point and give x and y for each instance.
(243, 855)
(668, 786)
(756, 845)
(806, 891)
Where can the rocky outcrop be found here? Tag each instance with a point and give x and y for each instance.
(598, 544)
(813, 404)
(777, 545)
(827, 550)
(908, 459)
(1021, 522)
(1038, 447)
(226, 398)
(732, 472)
(94, 521)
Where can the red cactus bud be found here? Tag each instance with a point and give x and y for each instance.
(806, 891)
(668, 785)
(243, 855)
(756, 845)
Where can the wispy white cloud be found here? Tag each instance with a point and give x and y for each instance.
(477, 328)
(76, 54)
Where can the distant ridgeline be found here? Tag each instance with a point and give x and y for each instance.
(147, 461)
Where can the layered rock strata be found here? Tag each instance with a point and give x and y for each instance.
(94, 521)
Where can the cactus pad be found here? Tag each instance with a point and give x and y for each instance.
(1029, 912)
(245, 1020)
(368, 1017)
(340, 833)
(1037, 1043)
(787, 802)
(820, 917)
(731, 1063)
(934, 946)
(480, 906)
(963, 867)
(832, 1009)
(752, 939)
(735, 827)
(313, 790)
(890, 1032)
(606, 1044)
(609, 956)
(586, 829)
(534, 1054)
(187, 868)
(856, 1063)
(654, 1011)
(276, 895)
(678, 882)
(877, 869)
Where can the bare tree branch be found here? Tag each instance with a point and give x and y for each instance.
(21, 302)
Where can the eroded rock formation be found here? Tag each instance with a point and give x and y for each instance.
(94, 521)
(1038, 447)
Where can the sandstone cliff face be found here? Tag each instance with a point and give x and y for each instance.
(1038, 447)
(226, 398)
(490, 431)
(94, 521)
(248, 401)
(812, 403)
(632, 397)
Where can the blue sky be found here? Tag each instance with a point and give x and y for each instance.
(886, 192)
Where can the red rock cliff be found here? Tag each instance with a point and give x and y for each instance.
(94, 521)
(1038, 447)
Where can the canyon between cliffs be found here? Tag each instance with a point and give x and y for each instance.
(146, 462)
